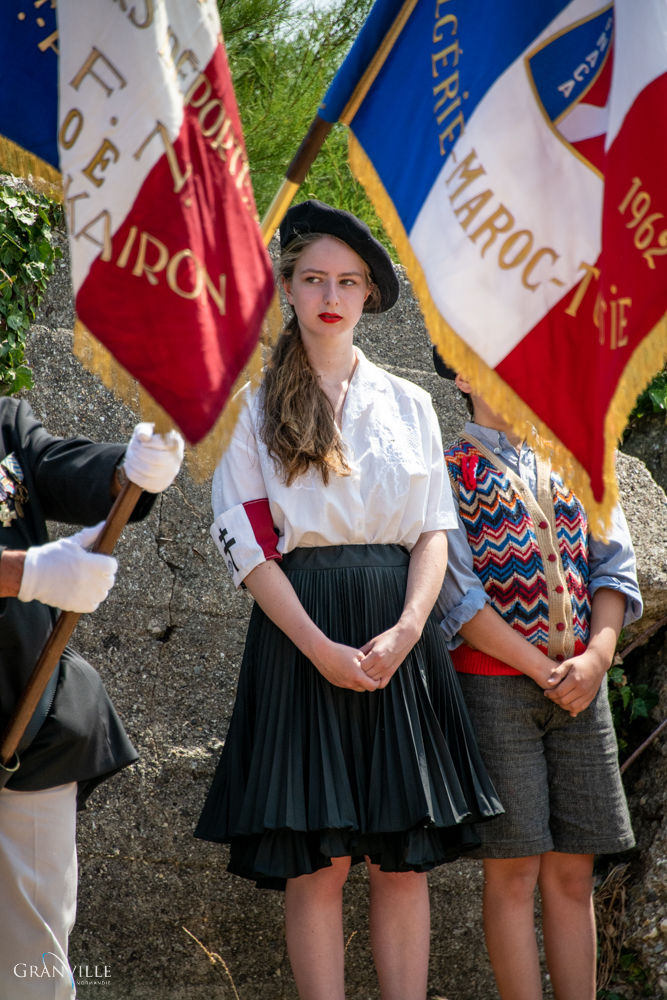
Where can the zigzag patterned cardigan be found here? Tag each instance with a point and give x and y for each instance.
(530, 554)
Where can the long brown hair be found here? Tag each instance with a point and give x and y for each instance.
(298, 422)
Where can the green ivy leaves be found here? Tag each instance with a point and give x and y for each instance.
(629, 702)
(27, 260)
(654, 397)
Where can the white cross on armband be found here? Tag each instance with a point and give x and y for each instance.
(236, 543)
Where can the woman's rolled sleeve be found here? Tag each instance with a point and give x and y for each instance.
(612, 565)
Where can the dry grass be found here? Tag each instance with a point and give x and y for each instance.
(217, 961)
(609, 901)
(221, 967)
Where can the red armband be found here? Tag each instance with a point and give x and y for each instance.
(261, 522)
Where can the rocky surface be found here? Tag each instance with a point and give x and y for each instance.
(646, 783)
(168, 644)
(645, 506)
(648, 442)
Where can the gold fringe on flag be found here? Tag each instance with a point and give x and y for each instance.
(203, 457)
(644, 362)
(41, 175)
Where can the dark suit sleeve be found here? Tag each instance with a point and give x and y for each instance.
(72, 476)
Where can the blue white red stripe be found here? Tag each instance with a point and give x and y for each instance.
(507, 137)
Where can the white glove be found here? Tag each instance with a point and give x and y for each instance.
(152, 460)
(64, 575)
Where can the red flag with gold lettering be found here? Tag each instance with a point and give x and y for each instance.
(170, 272)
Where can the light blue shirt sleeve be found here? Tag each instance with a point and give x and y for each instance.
(612, 564)
(462, 594)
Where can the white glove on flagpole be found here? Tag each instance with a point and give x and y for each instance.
(64, 575)
(152, 460)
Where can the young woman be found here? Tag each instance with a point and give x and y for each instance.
(349, 738)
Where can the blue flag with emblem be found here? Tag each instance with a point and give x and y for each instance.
(29, 83)
(496, 143)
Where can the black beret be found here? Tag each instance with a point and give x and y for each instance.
(443, 370)
(315, 217)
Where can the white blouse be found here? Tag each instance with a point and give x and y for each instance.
(397, 489)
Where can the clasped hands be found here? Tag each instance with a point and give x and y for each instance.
(574, 683)
(369, 668)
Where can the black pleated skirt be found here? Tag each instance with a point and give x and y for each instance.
(310, 771)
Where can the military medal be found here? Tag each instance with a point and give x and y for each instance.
(13, 494)
(6, 515)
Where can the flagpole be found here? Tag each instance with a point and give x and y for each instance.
(319, 129)
(55, 645)
(295, 176)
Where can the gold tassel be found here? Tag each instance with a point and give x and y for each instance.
(42, 176)
(273, 322)
(203, 457)
(645, 361)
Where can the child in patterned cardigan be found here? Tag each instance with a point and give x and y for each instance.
(532, 607)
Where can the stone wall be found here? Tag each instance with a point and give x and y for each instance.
(646, 780)
(168, 644)
(648, 441)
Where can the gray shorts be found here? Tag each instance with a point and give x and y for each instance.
(557, 777)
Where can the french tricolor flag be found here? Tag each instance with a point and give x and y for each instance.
(516, 154)
(170, 272)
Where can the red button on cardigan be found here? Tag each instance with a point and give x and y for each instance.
(560, 627)
(551, 557)
(543, 524)
(559, 589)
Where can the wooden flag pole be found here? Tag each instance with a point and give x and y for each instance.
(55, 645)
(295, 176)
(319, 129)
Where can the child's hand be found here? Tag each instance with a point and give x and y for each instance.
(545, 672)
(558, 672)
(576, 681)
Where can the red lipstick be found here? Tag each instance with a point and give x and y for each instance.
(330, 317)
